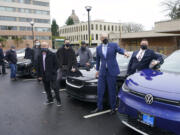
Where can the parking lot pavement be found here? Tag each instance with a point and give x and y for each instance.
(22, 112)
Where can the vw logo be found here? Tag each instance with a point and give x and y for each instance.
(149, 99)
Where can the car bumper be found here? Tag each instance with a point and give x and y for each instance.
(131, 106)
(83, 93)
(23, 70)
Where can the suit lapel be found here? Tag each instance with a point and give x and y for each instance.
(107, 54)
(146, 52)
(101, 52)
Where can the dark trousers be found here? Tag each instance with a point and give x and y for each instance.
(3, 67)
(51, 84)
(110, 82)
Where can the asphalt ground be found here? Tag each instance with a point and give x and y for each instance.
(22, 112)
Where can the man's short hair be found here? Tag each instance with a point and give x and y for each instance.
(144, 39)
(66, 40)
(83, 43)
(13, 47)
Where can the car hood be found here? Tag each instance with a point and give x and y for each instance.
(90, 75)
(160, 84)
(24, 61)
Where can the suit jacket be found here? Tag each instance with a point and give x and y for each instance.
(72, 62)
(149, 55)
(110, 60)
(11, 57)
(50, 73)
(28, 53)
(1, 56)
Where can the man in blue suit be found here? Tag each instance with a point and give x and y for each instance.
(142, 58)
(107, 71)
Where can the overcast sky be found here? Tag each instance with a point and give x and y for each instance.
(145, 12)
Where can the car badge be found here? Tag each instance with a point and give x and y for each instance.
(149, 99)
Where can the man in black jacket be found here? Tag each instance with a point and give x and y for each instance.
(11, 57)
(2, 63)
(28, 52)
(47, 72)
(66, 58)
(142, 58)
(36, 52)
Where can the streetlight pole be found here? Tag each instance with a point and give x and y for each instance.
(32, 25)
(88, 8)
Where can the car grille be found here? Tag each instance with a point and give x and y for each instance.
(167, 101)
(142, 127)
(75, 82)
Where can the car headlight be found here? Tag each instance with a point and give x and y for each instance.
(92, 82)
(125, 88)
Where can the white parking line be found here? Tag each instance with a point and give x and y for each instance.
(28, 80)
(98, 114)
(61, 90)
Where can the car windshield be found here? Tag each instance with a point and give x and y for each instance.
(20, 51)
(171, 63)
(122, 60)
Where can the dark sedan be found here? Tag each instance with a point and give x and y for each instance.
(85, 87)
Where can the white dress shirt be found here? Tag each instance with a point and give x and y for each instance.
(104, 49)
(140, 54)
(44, 61)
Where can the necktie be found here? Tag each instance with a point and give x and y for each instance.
(140, 56)
(44, 61)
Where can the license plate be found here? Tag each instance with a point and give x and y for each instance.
(147, 119)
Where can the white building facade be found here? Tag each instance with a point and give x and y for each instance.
(78, 32)
(16, 15)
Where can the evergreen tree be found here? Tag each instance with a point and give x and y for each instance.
(69, 21)
(54, 28)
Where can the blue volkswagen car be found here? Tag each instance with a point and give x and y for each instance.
(149, 101)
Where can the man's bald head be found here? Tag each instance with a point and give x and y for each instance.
(44, 45)
(103, 36)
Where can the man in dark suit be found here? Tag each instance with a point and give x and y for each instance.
(2, 58)
(28, 52)
(142, 58)
(66, 58)
(107, 71)
(47, 72)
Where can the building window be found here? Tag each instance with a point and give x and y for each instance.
(9, 0)
(100, 27)
(6, 18)
(83, 27)
(25, 19)
(8, 9)
(41, 12)
(115, 28)
(92, 27)
(112, 28)
(42, 20)
(86, 27)
(41, 29)
(92, 37)
(108, 28)
(24, 1)
(104, 27)
(39, 3)
(86, 37)
(96, 26)
(8, 28)
(96, 36)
